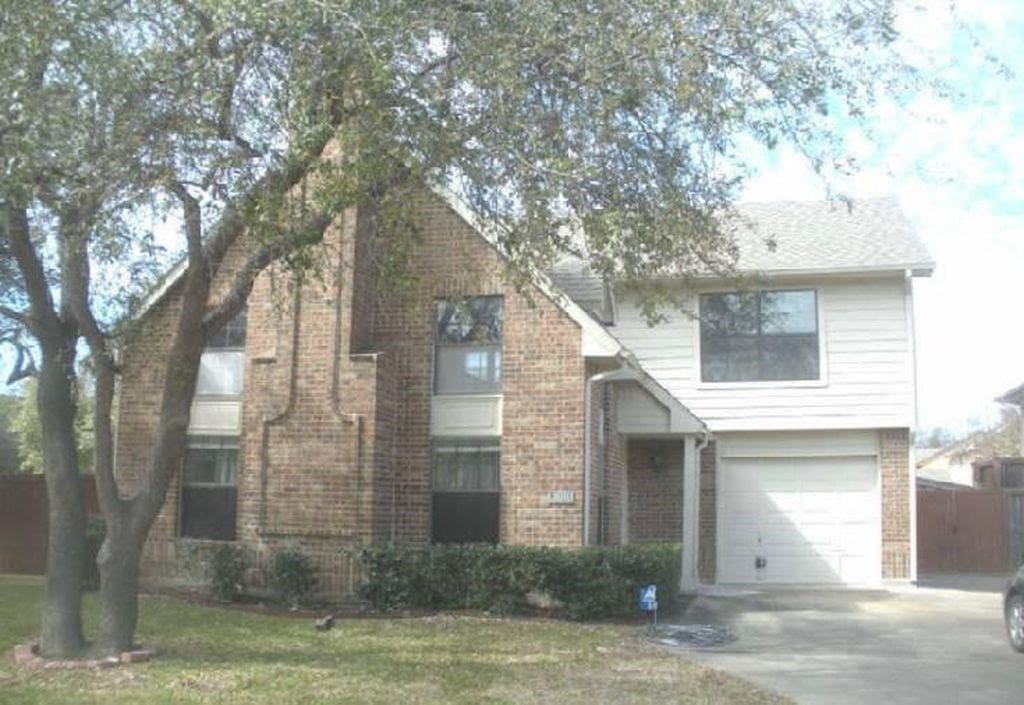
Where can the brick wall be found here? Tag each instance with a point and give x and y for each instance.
(334, 452)
(655, 490)
(706, 559)
(608, 462)
(894, 460)
(542, 368)
(614, 460)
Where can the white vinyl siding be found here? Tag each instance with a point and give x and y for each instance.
(865, 341)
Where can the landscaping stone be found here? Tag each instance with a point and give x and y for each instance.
(27, 656)
(138, 655)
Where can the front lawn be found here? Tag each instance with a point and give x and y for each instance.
(211, 655)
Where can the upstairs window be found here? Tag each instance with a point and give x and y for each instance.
(759, 336)
(231, 336)
(209, 488)
(467, 357)
(222, 366)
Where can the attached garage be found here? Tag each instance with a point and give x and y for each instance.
(799, 508)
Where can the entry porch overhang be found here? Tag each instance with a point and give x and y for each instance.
(645, 409)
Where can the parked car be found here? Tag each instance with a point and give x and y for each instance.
(1013, 610)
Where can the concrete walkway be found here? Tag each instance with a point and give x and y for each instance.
(930, 645)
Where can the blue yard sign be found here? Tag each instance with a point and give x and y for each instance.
(647, 598)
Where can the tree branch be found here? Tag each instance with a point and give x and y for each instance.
(77, 277)
(193, 224)
(18, 316)
(234, 301)
(277, 181)
(43, 321)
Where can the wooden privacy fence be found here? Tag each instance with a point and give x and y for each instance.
(23, 526)
(969, 531)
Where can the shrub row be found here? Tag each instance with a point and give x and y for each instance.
(573, 583)
(292, 574)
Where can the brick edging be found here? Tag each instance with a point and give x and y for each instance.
(28, 657)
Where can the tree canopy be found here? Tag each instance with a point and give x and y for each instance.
(607, 129)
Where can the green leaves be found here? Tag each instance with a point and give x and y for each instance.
(574, 583)
(619, 117)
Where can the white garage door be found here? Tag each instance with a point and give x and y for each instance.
(799, 520)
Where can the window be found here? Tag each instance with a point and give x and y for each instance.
(231, 336)
(466, 491)
(222, 366)
(208, 488)
(467, 358)
(762, 336)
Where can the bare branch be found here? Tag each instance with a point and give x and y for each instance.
(17, 316)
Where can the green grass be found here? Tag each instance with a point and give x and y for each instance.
(214, 655)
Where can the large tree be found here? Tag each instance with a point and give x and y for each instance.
(259, 122)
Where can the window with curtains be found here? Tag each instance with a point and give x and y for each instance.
(209, 488)
(466, 491)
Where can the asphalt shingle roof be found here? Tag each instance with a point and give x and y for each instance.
(573, 278)
(797, 236)
(869, 234)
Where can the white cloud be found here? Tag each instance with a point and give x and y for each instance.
(953, 165)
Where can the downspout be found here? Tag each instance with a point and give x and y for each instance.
(588, 443)
(689, 574)
(276, 416)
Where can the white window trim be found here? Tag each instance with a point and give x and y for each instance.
(822, 380)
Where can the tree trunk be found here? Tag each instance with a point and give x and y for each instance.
(119, 590)
(65, 563)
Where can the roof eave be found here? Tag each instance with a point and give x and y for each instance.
(917, 269)
(597, 342)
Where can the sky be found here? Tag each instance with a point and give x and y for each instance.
(954, 163)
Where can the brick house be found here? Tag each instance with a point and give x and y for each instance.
(769, 435)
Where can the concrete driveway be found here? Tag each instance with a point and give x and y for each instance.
(929, 645)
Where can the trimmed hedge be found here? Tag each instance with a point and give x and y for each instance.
(574, 583)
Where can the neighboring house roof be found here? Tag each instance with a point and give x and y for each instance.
(956, 453)
(828, 236)
(1014, 396)
(950, 464)
(923, 455)
(932, 484)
